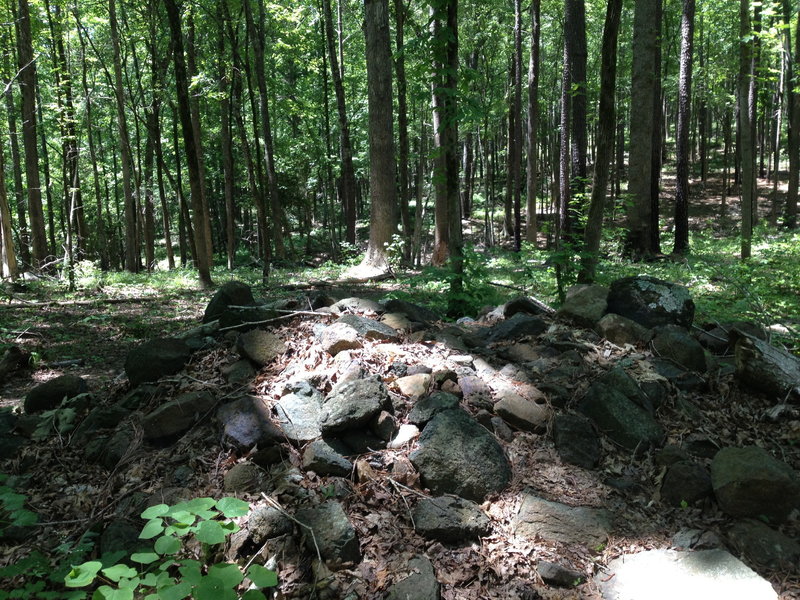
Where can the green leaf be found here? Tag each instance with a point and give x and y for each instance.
(175, 592)
(262, 577)
(190, 571)
(153, 528)
(233, 507)
(144, 558)
(118, 572)
(83, 575)
(183, 516)
(230, 575)
(211, 588)
(159, 510)
(108, 593)
(167, 544)
(197, 505)
(210, 532)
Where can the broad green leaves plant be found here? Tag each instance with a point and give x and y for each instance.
(163, 574)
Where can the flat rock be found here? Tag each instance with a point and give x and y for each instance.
(523, 413)
(230, 293)
(335, 536)
(539, 518)
(354, 403)
(178, 415)
(651, 302)
(370, 329)
(155, 359)
(519, 326)
(458, 456)
(414, 312)
(260, 346)
(339, 337)
(576, 440)
(357, 305)
(450, 519)
(558, 575)
(671, 574)
(749, 482)
(421, 583)
(414, 386)
(50, 394)
(585, 304)
(475, 391)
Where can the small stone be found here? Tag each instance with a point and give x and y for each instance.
(450, 519)
(334, 535)
(323, 459)
(558, 575)
(421, 584)
(685, 482)
(246, 478)
(576, 441)
(414, 386)
(260, 346)
(405, 434)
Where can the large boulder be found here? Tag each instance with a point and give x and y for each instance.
(155, 359)
(651, 302)
(675, 343)
(50, 394)
(749, 482)
(585, 304)
(456, 455)
(178, 415)
(230, 293)
(765, 546)
(767, 368)
(621, 330)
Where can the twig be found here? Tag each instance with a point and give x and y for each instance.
(408, 508)
(290, 315)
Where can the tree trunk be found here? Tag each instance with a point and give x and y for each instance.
(383, 193)
(8, 258)
(682, 138)
(226, 140)
(607, 122)
(202, 243)
(640, 164)
(27, 80)
(516, 159)
(532, 230)
(746, 95)
(794, 127)
(575, 37)
(402, 125)
(348, 178)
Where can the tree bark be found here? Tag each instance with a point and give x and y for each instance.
(682, 138)
(403, 146)
(28, 83)
(516, 159)
(607, 122)
(532, 224)
(383, 193)
(201, 242)
(794, 127)
(746, 95)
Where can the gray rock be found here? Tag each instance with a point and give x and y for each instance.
(414, 386)
(475, 391)
(155, 359)
(266, 522)
(322, 458)
(585, 304)
(421, 584)
(244, 478)
(767, 368)
(425, 409)
(525, 305)
(458, 456)
(696, 539)
(671, 454)
(651, 302)
(620, 418)
(335, 536)
(370, 329)
(523, 413)
(763, 546)
(414, 312)
(384, 425)
(260, 346)
(675, 343)
(239, 373)
(749, 482)
(339, 337)
(117, 447)
(621, 330)
(576, 441)
(450, 519)
(357, 305)
(50, 394)
(400, 322)
(178, 415)
(246, 422)
(354, 403)
(670, 574)
(539, 518)
(681, 378)
(558, 575)
(230, 293)
(518, 326)
(102, 417)
(298, 415)
(685, 482)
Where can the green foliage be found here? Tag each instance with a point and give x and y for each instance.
(165, 573)
(12, 507)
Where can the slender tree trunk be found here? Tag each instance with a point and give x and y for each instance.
(202, 243)
(533, 123)
(794, 126)
(226, 140)
(575, 38)
(383, 193)
(8, 258)
(516, 159)
(607, 122)
(746, 95)
(348, 178)
(659, 132)
(403, 147)
(682, 139)
(27, 81)
(564, 222)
